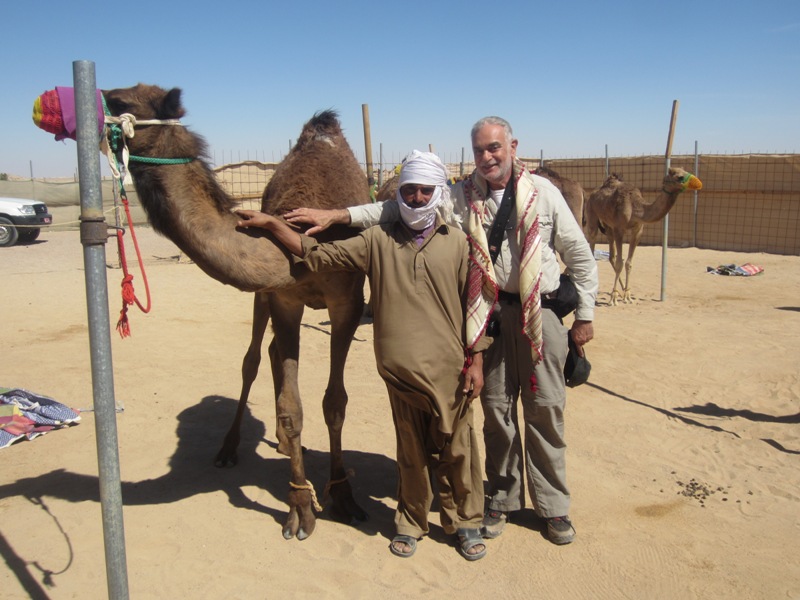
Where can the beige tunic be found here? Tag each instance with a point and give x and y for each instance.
(418, 297)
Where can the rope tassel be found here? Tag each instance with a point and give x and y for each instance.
(128, 293)
(128, 298)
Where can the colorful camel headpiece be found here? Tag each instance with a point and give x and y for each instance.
(54, 111)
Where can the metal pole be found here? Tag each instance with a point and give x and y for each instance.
(664, 245)
(380, 165)
(665, 234)
(94, 234)
(694, 203)
(367, 139)
(607, 173)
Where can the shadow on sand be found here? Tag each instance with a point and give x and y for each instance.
(200, 431)
(711, 409)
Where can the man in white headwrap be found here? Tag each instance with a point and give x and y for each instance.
(418, 271)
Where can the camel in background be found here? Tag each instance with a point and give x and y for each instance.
(185, 203)
(571, 190)
(388, 190)
(617, 207)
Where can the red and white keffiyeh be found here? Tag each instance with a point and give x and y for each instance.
(482, 287)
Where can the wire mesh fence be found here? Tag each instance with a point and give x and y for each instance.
(749, 202)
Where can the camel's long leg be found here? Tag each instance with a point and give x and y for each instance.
(615, 257)
(580, 213)
(285, 347)
(591, 224)
(228, 455)
(345, 315)
(635, 236)
(277, 382)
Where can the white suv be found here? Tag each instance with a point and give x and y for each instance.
(21, 219)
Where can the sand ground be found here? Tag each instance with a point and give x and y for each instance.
(683, 453)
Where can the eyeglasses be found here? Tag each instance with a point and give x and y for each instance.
(410, 190)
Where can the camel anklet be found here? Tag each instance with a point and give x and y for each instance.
(307, 486)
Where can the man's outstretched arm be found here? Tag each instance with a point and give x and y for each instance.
(361, 216)
(319, 218)
(282, 232)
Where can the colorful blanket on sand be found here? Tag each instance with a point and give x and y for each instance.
(745, 270)
(25, 414)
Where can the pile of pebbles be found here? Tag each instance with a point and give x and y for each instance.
(701, 492)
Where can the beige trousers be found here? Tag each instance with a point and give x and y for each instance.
(507, 373)
(453, 461)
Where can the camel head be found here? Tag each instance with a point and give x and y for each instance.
(677, 180)
(145, 102)
(152, 103)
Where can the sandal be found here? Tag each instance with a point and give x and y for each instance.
(410, 541)
(467, 540)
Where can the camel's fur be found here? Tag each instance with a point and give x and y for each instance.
(617, 207)
(571, 190)
(388, 190)
(186, 204)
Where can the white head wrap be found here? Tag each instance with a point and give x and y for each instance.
(423, 168)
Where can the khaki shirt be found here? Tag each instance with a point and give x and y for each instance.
(418, 297)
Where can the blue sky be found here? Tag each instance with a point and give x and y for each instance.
(570, 76)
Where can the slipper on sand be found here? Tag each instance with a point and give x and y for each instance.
(403, 539)
(467, 540)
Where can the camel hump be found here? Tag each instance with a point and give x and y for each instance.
(324, 125)
(547, 172)
(325, 120)
(613, 180)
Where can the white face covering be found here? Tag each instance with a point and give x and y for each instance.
(423, 168)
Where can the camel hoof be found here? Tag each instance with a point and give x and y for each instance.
(343, 508)
(354, 515)
(301, 533)
(226, 461)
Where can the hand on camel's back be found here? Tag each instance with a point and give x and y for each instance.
(319, 219)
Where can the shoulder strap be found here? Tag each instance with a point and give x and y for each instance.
(500, 220)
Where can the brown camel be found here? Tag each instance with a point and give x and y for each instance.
(571, 190)
(617, 207)
(388, 190)
(185, 203)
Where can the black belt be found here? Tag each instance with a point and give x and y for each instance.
(513, 298)
(508, 297)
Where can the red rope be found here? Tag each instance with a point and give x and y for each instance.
(128, 294)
